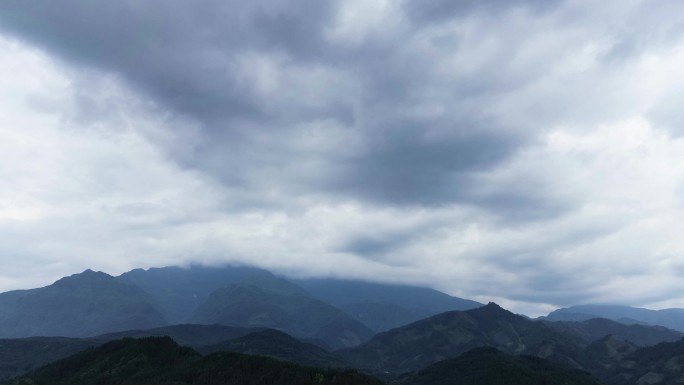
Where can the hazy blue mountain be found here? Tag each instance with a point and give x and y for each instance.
(178, 291)
(450, 334)
(670, 318)
(156, 360)
(265, 300)
(382, 306)
(81, 305)
(276, 344)
(596, 328)
(489, 366)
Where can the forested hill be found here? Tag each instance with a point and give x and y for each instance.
(159, 360)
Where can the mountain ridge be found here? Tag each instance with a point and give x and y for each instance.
(80, 305)
(672, 318)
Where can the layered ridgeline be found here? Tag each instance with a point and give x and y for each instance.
(378, 306)
(489, 366)
(18, 356)
(276, 344)
(264, 300)
(597, 328)
(382, 306)
(450, 334)
(186, 334)
(438, 348)
(178, 292)
(620, 363)
(81, 305)
(670, 318)
(93, 303)
(157, 360)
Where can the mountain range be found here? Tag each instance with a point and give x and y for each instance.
(93, 303)
(670, 318)
(81, 305)
(400, 334)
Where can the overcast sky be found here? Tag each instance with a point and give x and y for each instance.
(525, 152)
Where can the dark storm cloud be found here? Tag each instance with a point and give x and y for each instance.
(186, 57)
(405, 166)
(376, 247)
(180, 53)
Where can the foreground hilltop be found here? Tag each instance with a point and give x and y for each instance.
(459, 347)
(159, 360)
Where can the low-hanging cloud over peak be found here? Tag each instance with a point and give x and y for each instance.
(528, 151)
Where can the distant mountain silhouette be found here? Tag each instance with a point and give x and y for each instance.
(81, 305)
(489, 366)
(265, 300)
(670, 318)
(178, 291)
(383, 306)
(597, 328)
(156, 360)
(450, 334)
(378, 306)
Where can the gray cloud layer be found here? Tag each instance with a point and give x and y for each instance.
(475, 142)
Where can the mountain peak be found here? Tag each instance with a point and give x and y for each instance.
(87, 276)
(493, 308)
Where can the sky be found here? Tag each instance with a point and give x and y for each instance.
(525, 152)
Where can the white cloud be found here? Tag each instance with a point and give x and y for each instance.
(587, 206)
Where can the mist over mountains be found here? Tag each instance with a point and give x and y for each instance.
(396, 333)
(93, 303)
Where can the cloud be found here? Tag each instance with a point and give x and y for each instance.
(525, 151)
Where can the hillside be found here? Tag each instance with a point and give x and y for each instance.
(81, 305)
(186, 334)
(156, 360)
(669, 318)
(268, 301)
(596, 328)
(662, 364)
(190, 286)
(276, 344)
(383, 306)
(488, 366)
(378, 306)
(18, 356)
(450, 334)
